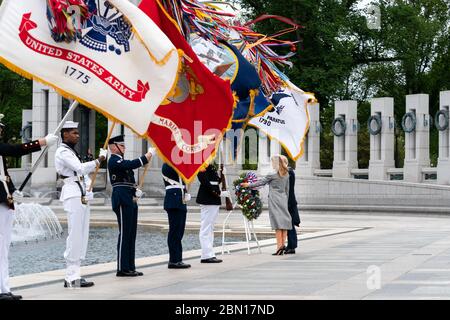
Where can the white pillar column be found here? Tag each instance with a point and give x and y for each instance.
(47, 109)
(133, 147)
(27, 119)
(310, 161)
(346, 146)
(41, 96)
(240, 152)
(443, 167)
(275, 147)
(263, 154)
(264, 164)
(417, 143)
(92, 131)
(382, 144)
(117, 128)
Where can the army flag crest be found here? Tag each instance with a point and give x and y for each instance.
(120, 63)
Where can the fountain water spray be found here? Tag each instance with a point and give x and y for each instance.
(34, 222)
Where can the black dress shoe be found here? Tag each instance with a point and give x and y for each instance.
(128, 274)
(6, 297)
(211, 260)
(178, 265)
(14, 296)
(80, 283)
(289, 251)
(139, 273)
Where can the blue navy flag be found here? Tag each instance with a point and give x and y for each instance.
(288, 121)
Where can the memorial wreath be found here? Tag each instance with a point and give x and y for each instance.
(248, 199)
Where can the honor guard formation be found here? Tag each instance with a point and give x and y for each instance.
(77, 192)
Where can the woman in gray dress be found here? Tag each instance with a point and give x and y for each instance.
(278, 182)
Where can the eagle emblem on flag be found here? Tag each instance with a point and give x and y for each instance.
(106, 23)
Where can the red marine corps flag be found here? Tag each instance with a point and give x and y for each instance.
(189, 125)
(117, 60)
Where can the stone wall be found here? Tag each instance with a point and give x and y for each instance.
(315, 193)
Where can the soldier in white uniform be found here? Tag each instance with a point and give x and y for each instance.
(75, 197)
(7, 194)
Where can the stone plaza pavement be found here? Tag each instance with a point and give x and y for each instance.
(340, 256)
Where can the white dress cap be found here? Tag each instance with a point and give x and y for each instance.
(70, 125)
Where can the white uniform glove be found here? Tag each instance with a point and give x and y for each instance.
(17, 194)
(152, 151)
(89, 195)
(103, 153)
(138, 194)
(50, 139)
(225, 194)
(187, 197)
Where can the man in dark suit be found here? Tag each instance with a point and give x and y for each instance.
(293, 210)
(175, 206)
(7, 190)
(124, 203)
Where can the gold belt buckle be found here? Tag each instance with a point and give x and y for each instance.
(83, 200)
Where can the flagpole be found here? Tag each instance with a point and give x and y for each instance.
(73, 106)
(141, 180)
(228, 201)
(105, 145)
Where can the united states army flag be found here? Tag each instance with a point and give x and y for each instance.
(122, 64)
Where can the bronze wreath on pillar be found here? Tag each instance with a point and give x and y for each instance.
(437, 123)
(343, 126)
(412, 117)
(379, 123)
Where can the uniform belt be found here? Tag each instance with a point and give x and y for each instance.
(214, 183)
(123, 184)
(173, 187)
(71, 179)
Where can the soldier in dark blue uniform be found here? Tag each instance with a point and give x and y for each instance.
(175, 206)
(124, 203)
(293, 210)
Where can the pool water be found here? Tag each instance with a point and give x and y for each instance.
(102, 248)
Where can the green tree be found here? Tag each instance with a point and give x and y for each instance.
(341, 58)
(15, 95)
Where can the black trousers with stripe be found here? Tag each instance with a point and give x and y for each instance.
(177, 224)
(126, 211)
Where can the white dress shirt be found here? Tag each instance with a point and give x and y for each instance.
(66, 163)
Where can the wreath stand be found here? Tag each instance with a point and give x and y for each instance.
(249, 230)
